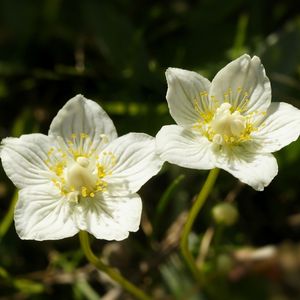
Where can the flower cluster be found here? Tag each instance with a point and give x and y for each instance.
(81, 176)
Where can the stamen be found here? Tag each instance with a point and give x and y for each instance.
(74, 171)
(236, 99)
(227, 127)
(243, 104)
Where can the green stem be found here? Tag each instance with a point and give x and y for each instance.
(164, 201)
(8, 218)
(111, 272)
(205, 191)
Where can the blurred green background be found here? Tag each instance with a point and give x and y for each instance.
(116, 53)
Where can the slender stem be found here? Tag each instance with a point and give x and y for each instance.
(8, 218)
(111, 272)
(164, 201)
(205, 191)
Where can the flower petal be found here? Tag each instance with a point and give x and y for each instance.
(184, 148)
(244, 84)
(131, 161)
(184, 94)
(43, 214)
(23, 159)
(280, 127)
(256, 170)
(82, 116)
(108, 217)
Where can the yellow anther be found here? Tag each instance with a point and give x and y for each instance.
(84, 135)
(51, 150)
(83, 191)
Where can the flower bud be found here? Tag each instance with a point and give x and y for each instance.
(225, 213)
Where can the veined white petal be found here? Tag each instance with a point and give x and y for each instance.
(256, 170)
(82, 116)
(244, 84)
(280, 127)
(43, 214)
(134, 163)
(23, 159)
(108, 217)
(184, 148)
(184, 95)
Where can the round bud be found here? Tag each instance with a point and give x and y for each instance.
(225, 213)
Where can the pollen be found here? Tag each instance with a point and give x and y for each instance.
(84, 191)
(79, 145)
(205, 106)
(226, 125)
(225, 122)
(77, 171)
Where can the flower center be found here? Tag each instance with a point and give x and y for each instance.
(77, 172)
(80, 178)
(227, 126)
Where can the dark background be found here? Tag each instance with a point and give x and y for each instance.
(116, 53)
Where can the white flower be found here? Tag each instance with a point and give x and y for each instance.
(80, 176)
(229, 123)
